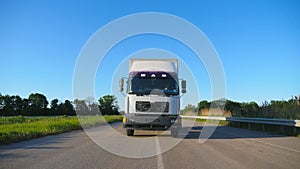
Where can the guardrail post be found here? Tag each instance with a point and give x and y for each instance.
(263, 128)
(295, 131)
(249, 126)
(281, 130)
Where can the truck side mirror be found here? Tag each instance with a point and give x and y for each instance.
(183, 86)
(121, 83)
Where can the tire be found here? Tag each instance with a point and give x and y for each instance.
(129, 132)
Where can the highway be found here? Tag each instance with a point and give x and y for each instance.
(227, 148)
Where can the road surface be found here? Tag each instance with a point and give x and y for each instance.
(227, 148)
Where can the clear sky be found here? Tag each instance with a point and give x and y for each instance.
(258, 43)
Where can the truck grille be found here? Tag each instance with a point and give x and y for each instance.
(144, 106)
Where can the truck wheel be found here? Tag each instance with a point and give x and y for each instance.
(129, 132)
(174, 132)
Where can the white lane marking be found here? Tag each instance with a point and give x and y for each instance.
(160, 163)
(270, 144)
(278, 146)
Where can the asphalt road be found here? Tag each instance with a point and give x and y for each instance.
(227, 148)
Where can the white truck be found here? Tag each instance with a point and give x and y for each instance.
(152, 100)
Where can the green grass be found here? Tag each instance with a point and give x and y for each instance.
(221, 122)
(89, 121)
(19, 128)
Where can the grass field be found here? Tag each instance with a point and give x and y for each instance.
(19, 128)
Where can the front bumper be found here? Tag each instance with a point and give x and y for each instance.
(151, 121)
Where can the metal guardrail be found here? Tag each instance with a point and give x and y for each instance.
(204, 117)
(281, 122)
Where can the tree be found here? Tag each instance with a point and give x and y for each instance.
(203, 105)
(94, 109)
(249, 109)
(2, 105)
(54, 107)
(7, 106)
(25, 107)
(93, 106)
(234, 108)
(189, 109)
(10, 105)
(66, 108)
(108, 105)
(38, 100)
(38, 103)
(54, 104)
(16, 104)
(90, 101)
(81, 107)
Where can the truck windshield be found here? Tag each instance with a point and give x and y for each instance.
(145, 85)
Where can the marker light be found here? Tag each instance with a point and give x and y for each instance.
(143, 75)
(153, 75)
(163, 75)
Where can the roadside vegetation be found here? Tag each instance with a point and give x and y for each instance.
(33, 117)
(19, 128)
(221, 122)
(37, 105)
(274, 109)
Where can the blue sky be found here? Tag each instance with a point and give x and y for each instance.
(257, 42)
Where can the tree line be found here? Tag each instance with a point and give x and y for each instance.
(283, 109)
(37, 105)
